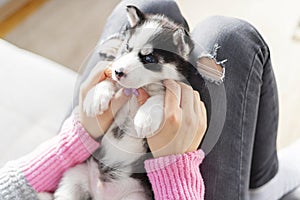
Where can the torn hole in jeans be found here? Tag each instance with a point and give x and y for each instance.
(211, 69)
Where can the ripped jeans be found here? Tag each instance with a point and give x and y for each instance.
(240, 142)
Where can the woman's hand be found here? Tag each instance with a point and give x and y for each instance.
(97, 126)
(184, 123)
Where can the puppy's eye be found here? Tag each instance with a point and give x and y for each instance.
(150, 58)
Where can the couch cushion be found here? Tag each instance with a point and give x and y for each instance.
(36, 94)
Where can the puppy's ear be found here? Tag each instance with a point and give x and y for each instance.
(183, 42)
(134, 15)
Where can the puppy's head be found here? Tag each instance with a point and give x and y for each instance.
(155, 48)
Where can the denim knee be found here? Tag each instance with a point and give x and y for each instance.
(237, 38)
(117, 21)
(169, 8)
(231, 32)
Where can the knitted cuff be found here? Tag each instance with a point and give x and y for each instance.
(44, 167)
(176, 176)
(13, 184)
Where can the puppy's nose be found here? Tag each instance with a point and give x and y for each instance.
(119, 74)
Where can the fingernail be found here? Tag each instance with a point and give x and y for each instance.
(127, 91)
(135, 92)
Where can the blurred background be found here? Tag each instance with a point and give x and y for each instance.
(66, 31)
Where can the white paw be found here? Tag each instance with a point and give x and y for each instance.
(98, 98)
(45, 196)
(149, 116)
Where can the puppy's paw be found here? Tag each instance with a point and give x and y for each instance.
(45, 196)
(149, 116)
(98, 98)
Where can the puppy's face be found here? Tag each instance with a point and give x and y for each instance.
(153, 50)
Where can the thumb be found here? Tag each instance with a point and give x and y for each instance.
(118, 102)
(106, 118)
(142, 96)
(122, 97)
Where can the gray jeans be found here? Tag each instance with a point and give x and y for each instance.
(244, 155)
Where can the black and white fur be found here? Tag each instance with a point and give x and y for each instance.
(154, 49)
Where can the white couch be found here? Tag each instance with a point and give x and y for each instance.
(35, 96)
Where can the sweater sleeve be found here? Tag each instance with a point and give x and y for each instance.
(13, 184)
(176, 176)
(42, 169)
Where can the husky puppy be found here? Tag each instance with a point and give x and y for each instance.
(154, 49)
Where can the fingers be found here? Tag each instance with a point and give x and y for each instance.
(184, 121)
(142, 96)
(187, 98)
(203, 116)
(121, 98)
(116, 103)
(200, 111)
(173, 95)
(197, 101)
(98, 74)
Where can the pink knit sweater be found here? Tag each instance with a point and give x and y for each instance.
(172, 177)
